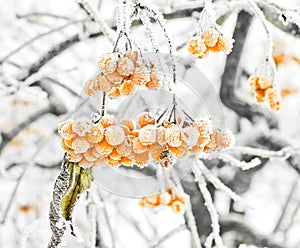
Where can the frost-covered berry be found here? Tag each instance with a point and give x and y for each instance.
(81, 126)
(210, 37)
(196, 46)
(114, 135)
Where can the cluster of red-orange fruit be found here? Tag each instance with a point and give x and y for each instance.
(264, 91)
(115, 144)
(176, 201)
(210, 40)
(120, 74)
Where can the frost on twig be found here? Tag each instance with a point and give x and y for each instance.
(283, 153)
(57, 223)
(210, 207)
(274, 141)
(191, 223)
(60, 47)
(232, 76)
(209, 241)
(155, 46)
(72, 181)
(159, 18)
(92, 213)
(286, 15)
(107, 31)
(236, 162)
(207, 16)
(124, 14)
(218, 184)
(189, 218)
(260, 15)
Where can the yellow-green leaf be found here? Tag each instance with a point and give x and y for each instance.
(79, 181)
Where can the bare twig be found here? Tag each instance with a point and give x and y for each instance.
(186, 12)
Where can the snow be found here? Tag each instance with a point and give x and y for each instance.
(269, 188)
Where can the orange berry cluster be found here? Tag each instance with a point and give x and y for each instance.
(121, 74)
(209, 41)
(90, 144)
(177, 202)
(264, 91)
(169, 141)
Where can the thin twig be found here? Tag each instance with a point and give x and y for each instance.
(106, 215)
(8, 136)
(39, 37)
(210, 207)
(168, 235)
(218, 184)
(274, 16)
(70, 41)
(285, 207)
(135, 225)
(189, 216)
(103, 104)
(108, 32)
(274, 141)
(38, 14)
(21, 177)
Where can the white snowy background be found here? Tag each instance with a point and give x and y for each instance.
(274, 190)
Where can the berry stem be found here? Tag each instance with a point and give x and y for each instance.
(103, 104)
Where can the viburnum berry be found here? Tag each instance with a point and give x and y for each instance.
(210, 40)
(106, 141)
(264, 91)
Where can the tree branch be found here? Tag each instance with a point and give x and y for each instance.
(275, 142)
(275, 17)
(8, 136)
(64, 45)
(38, 37)
(232, 75)
(248, 234)
(55, 107)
